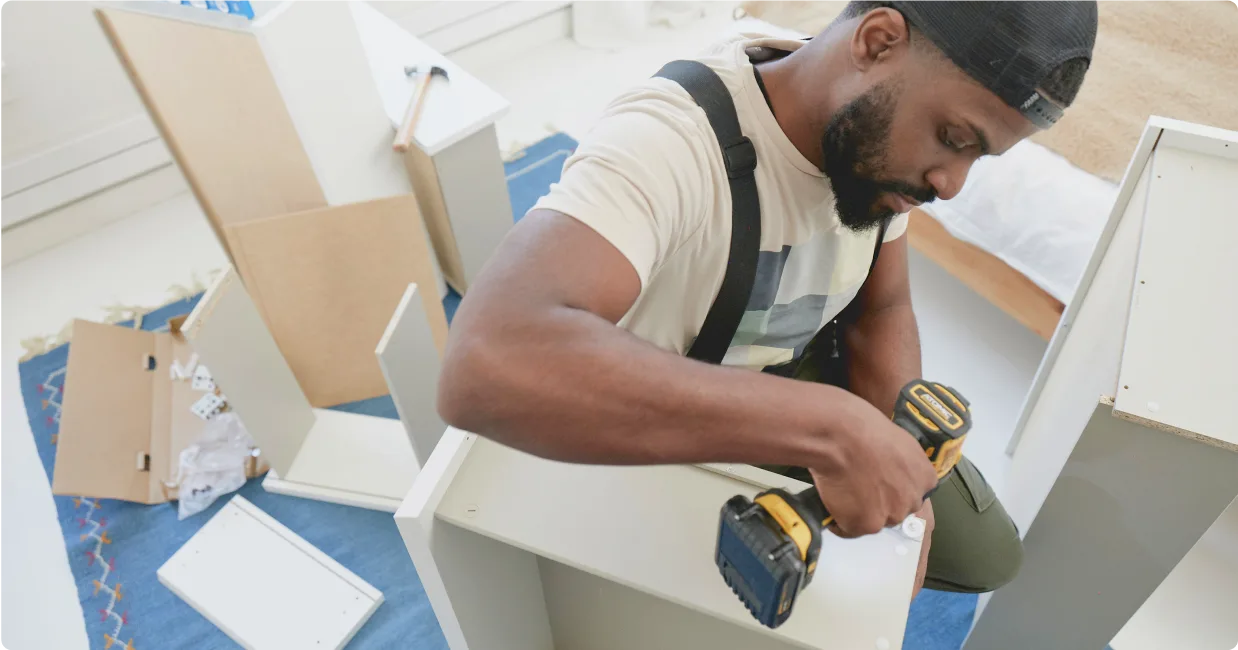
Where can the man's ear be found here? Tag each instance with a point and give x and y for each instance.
(881, 35)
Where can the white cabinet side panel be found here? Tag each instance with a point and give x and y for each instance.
(410, 363)
(1093, 556)
(654, 529)
(333, 102)
(1182, 341)
(264, 586)
(1085, 369)
(485, 594)
(231, 339)
(475, 192)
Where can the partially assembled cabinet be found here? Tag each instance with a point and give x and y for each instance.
(521, 553)
(1126, 455)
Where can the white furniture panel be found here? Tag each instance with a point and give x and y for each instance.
(648, 534)
(352, 459)
(411, 366)
(321, 454)
(264, 586)
(1111, 498)
(228, 333)
(1182, 338)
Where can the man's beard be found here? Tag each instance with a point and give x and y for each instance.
(854, 149)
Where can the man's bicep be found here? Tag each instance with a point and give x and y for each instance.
(551, 260)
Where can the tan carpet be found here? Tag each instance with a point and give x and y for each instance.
(1173, 59)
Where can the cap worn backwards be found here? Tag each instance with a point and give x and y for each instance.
(1010, 47)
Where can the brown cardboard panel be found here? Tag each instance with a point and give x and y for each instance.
(161, 418)
(327, 281)
(105, 419)
(215, 101)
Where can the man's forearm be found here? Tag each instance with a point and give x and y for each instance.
(883, 352)
(570, 386)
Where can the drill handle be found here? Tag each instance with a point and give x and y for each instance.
(810, 501)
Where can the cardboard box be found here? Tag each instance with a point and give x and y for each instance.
(124, 421)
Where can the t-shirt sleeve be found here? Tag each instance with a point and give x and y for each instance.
(898, 226)
(640, 179)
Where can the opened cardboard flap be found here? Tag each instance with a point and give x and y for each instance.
(326, 283)
(106, 414)
(124, 421)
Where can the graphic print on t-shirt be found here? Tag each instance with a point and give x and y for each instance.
(794, 296)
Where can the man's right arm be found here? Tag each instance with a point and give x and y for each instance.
(536, 362)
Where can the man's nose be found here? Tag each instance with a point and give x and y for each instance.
(948, 179)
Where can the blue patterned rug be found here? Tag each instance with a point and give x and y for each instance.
(115, 547)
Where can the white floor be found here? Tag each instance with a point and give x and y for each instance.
(967, 342)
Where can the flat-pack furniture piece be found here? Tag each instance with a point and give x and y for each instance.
(326, 282)
(124, 418)
(1126, 454)
(321, 454)
(454, 164)
(286, 143)
(411, 366)
(516, 552)
(266, 587)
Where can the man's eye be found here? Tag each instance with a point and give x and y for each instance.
(950, 141)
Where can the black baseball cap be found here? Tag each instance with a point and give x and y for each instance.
(1009, 47)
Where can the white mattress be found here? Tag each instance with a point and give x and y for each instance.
(1035, 211)
(1030, 207)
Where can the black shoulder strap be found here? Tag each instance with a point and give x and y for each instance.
(712, 95)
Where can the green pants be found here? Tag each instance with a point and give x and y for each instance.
(975, 546)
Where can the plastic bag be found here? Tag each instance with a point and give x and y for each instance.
(214, 465)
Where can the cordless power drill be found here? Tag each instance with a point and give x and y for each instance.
(768, 547)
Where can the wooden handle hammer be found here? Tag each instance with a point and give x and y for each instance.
(404, 135)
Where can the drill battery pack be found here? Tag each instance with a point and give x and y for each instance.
(760, 562)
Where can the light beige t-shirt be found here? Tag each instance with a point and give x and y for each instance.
(649, 177)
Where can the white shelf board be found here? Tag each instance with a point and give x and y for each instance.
(264, 586)
(351, 459)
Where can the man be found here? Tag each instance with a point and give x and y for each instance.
(885, 109)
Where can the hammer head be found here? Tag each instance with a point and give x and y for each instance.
(433, 71)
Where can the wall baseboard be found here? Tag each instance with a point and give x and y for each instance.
(501, 19)
(540, 30)
(93, 212)
(73, 171)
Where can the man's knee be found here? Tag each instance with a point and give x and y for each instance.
(988, 563)
(976, 546)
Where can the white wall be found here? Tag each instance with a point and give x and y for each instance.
(62, 80)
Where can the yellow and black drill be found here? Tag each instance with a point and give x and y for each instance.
(768, 547)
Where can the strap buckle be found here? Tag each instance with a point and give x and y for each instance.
(740, 158)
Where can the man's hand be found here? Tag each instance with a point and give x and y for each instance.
(880, 478)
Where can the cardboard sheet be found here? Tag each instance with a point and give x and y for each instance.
(327, 281)
(210, 92)
(124, 420)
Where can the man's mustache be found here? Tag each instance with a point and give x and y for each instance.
(923, 195)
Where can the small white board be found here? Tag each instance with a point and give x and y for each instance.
(351, 459)
(410, 363)
(264, 586)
